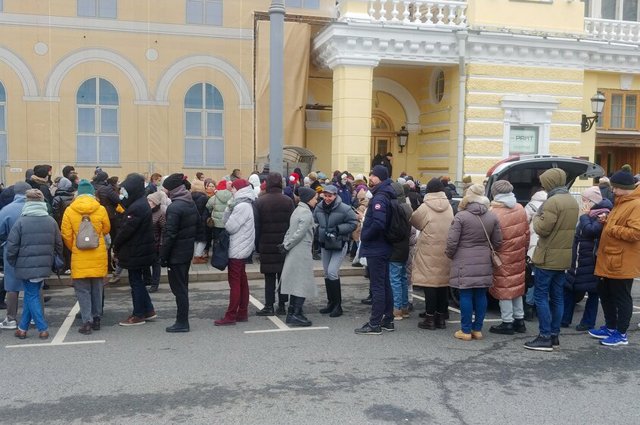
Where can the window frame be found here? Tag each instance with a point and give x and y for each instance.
(593, 9)
(218, 21)
(304, 4)
(97, 133)
(4, 153)
(97, 9)
(605, 122)
(203, 137)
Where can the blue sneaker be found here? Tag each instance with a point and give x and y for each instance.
(601, 333)
(615, 339)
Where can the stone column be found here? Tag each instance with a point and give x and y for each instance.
(351, 121)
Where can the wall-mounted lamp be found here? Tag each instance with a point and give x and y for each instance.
(403, 137)
(597, 105)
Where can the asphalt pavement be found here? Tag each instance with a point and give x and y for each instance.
(262, 372)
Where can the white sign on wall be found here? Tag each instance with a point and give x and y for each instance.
(523, 140)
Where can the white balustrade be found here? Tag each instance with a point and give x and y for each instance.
(613, 30)
(415, 13)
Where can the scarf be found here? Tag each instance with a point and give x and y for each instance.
(557, 190)
(35, 209)
(508, 199)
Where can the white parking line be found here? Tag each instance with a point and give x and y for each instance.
(282, 327)
(288, 329)
(455, 310)
(101, 341)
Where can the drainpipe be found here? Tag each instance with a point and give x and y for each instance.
(276, 79)
(462, 82)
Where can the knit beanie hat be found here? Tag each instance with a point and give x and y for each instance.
(173, 181)
(306, 194)
(20, 188)
(627, 168)
(222, 185)
(501, 186)
(435, 185)
(466, 179)
(593, 194)
(623, 180)
(155, 197)
(41, 171)
(293, 178)
(64, 184)
(380, 172)
(34, 195)
(86, 188)
(239, 184)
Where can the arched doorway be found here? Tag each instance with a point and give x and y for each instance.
(382, 134)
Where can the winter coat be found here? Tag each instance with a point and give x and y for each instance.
(180, 228)
(217, 204)
(108, 198)
(432, 219)
(363, 202)
(338, 219)
(555, 224)
(238, 220)
(61, 200)
(159, 220)
(134, 244)
(580, 277)
(344, 192)
(373, 243)
(201, 199)
(606, 192)
(400, 250)
(468, 247)
(274, 212)
(86, 263)
(43, 186)
(508, 280)
(415, 199)
(33, 242)
(8, 216)
(531, 209)
(297, 272)
(619, 248)
(254, 180)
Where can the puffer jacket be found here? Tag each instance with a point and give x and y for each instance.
(431, 267)
(400, 250)
(106, 195)
(238, 220)
(580, 277)
(338, 219)
(180, 228)
(217, 204)
(201, 199)
(508, 280)
(86, 263)
(61, 200)
(376, 219)
(531, 209)
(274, 212)
(468, 247)
(33, 242)
(8, 216)
(555, 223)
(134, 244)
(619, 248)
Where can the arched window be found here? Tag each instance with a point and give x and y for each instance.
(203, 126)
(3, 126)
(98, 140)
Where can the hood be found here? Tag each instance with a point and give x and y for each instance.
(336, 201)
(399, 189)
(223, 195)
(437, 201)
(64, 184)
(604, 204)
(100, 177)
(245, 193)
(134, 185)
(254, 180)
(476, 208)
(552, 178)
(85, 204)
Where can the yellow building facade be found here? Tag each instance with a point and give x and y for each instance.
(180, 85)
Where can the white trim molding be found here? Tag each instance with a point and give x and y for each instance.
(23, 72)
(60, 71)
(189, 62)
(402, 95)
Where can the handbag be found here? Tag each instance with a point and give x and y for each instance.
(210, 223)
(495, 258)
(220, 257)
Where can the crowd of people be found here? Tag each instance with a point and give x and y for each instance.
(534, 259)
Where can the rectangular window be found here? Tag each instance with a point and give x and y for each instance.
(630, 10)
(608, 9)
(630, 107)
(304, 4)
(615, 119)
(204, 12)
(98, 8)
(1, 5)
(621, 111)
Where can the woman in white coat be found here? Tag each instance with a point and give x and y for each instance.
(297, 272)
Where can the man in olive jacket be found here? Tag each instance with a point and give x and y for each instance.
(555, 224)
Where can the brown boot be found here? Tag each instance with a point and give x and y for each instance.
(428, 323)
(85, 329)
(441, 323)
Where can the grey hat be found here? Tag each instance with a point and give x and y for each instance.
(306, 194)
(20, 188)
(330, 189)
(501, 186)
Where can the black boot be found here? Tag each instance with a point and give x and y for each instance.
(441, 321)
(519, 326)
(297, 318)
(178, 327)
(502, 329)
(330, 297)
(428, 322)
(267, 310)
(282, 309)
(529, 312)
(337, 299)
(290, 310)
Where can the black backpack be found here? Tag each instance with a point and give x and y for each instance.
(399, 228)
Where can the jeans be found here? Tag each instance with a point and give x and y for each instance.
(331, 262)
(590, 309)
(89, 295)
(139, 294)
(617, 304)
(381, 294)
(238, 291)
(548, 294)
(399, 285)
(511, 309)
(472, 300)
(178, 275)
(32, 309)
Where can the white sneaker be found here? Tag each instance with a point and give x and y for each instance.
(8, 324)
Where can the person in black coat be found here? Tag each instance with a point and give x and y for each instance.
(176, 250)
(40, 180)
(274, 211)
(134, 246)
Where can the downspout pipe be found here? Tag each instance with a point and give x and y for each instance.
(462, 85)
(276, 90)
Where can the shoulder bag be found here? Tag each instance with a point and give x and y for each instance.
(495, 258)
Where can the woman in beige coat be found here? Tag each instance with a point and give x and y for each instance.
(430, 265)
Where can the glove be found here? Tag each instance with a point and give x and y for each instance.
(282, 249)
(164, 262)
